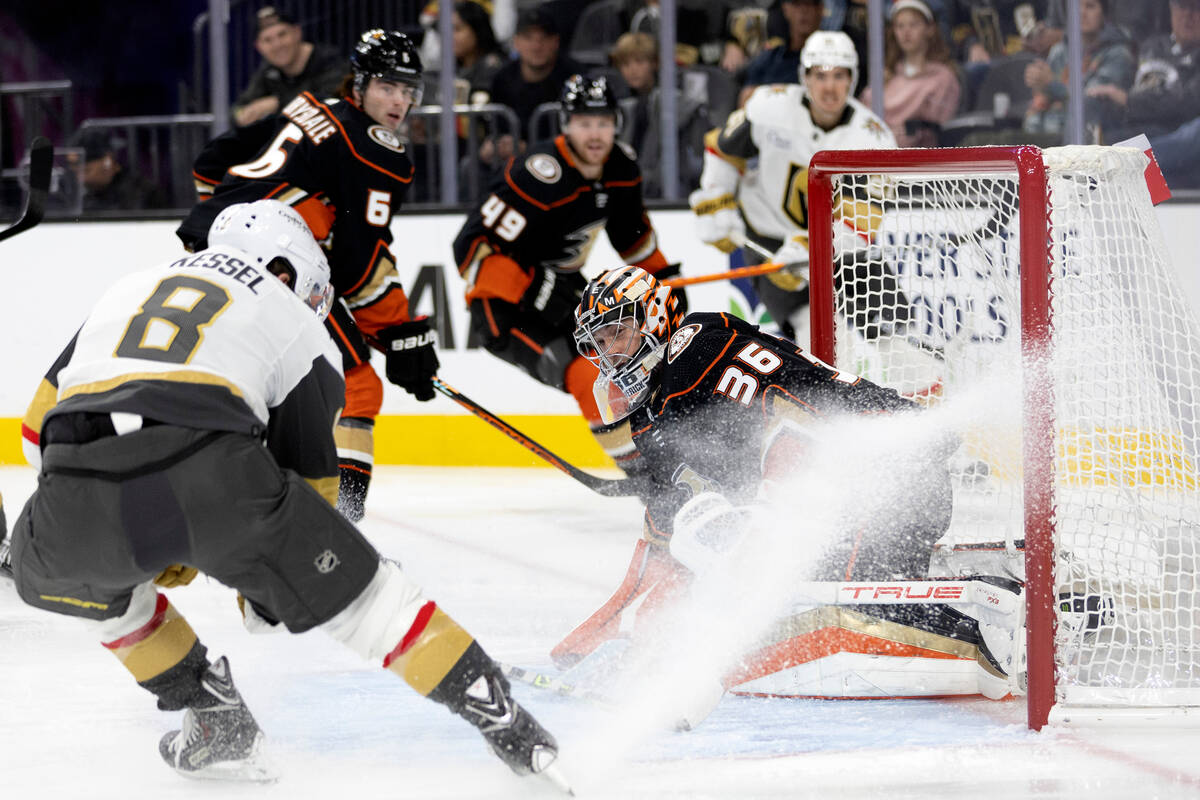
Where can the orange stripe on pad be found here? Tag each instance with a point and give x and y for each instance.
(818, 644)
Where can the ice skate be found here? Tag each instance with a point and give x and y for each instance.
(6, 568)
(511, 732)
(220, 741)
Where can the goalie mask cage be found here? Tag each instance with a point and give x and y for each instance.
(1045, 272)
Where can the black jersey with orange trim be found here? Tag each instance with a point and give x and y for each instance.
(343, 172)
(544, 213)
(724, 386)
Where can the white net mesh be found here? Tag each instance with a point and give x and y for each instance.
(928, 302)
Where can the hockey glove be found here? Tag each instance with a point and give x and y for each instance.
(553, 297)
(706, 528)
(794, 256)
(411, 358)
(717, 219)
(493, 320)
(176, 575)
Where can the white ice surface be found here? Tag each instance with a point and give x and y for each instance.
(518, 557)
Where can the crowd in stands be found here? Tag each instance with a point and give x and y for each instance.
(955, 71)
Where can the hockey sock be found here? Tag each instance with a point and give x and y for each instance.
(179, 686)
(158, 647)
(355, 441)
(430, 649)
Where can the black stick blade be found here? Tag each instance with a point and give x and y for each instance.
(41, 160)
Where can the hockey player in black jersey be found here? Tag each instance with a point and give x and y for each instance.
(725, 417)
(522, 250)
(193, 430)
(341, 164)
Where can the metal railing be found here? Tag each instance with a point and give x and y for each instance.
(337, 23)
(474, 124)
(160, 148)
(36, 107)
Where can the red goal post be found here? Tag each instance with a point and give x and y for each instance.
(1022, 262)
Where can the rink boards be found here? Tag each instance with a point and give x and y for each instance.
(54, 271)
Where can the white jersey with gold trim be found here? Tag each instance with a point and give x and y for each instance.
(764, 150)
(208, 321)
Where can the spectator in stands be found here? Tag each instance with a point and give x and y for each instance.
(703, 30)
(1166, 88)
(108, 185)
(534, 77)
(985, 31)
(781, 64)
(920, 80)
(1178, 156)
(1108, 64)
(501, 16)
(477, 55)
(988, 29)
(635, 57)
(290, 66)
(1141, 19)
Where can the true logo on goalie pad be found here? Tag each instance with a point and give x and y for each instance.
(680, 340)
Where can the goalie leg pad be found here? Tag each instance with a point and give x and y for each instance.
(652, 573)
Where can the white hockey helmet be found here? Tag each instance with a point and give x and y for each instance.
(829, 49)
(267, 230)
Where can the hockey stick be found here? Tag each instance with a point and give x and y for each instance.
(41, 157)
(608, 488)
(733, 274)
(551, 683)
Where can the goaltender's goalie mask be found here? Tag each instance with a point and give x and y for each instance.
(622, 325)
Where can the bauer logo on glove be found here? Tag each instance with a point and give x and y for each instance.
(415, 341)
(411, 359)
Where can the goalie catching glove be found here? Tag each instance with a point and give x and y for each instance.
(717, 219)
(412, 361)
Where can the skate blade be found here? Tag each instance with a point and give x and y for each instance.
(554, 775)
(254, 768)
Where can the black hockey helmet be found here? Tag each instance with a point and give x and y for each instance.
(582, 95)
(388, 55)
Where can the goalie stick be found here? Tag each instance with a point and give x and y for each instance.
(41, 157)
(608, 488)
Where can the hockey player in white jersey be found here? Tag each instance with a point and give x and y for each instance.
(188, 426)
(755, 179)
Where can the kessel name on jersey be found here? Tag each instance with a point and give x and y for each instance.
(386, 138)
(544, 167)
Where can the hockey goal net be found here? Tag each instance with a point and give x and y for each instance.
(1037, 282)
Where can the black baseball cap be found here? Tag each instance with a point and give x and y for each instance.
(95, 143)
(537, 17)
(267, 16)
